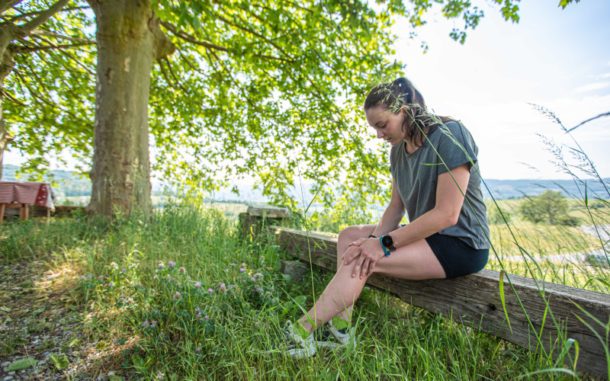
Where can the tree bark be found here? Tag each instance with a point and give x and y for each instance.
(128, 41)
(6, 65)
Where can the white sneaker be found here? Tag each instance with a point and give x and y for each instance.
(297, 347)
(345, 336)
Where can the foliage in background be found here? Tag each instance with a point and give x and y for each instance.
(550, 207)
(270, 91)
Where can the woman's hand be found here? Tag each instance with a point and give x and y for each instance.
(364, 253)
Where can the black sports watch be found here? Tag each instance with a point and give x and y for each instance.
(388, 242)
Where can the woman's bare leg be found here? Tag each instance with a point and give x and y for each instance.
(415, 261)
(347, 236)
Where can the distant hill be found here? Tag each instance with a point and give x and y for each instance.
(70, 184)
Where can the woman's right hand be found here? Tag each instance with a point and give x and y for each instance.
(358, 242)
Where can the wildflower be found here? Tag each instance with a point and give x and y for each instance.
(253, 279)
(182, 270)
(171, 263)
(243, 269)
(168, 277)
(146, 324)
(161, 265)
(233, 264)
(198, 312)
(153, 323)
(258, 275)
(123, 270)
(197, 284)
(160, 376)
(206, 317)
(243, 264)
(114, 265)
(156, 277)
(210, 290)
(177, 295)
(111, 284)
(222, 287)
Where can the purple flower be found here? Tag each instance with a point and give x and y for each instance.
(242, 270)
(222, 287)
(171, 263)
(146, 324)
(197, 284)
(111, 284)
(210, 290)
(123, 270)
(153, 323)
(198, 312)
(258, 275)
(253, 279)
(177, 295)
(206, 317)
(161, 265)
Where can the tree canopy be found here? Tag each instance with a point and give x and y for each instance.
(269, 90)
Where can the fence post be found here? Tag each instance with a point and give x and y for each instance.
(259, 218)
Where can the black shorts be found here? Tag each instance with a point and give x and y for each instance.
(456, 256)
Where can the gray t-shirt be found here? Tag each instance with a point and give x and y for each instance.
(416, 177)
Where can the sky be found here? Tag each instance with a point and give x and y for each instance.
(555, 58)
(558, 59)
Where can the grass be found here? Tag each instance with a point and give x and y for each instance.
(213, 311)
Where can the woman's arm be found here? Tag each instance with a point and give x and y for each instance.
(449, 201)
(392, 215)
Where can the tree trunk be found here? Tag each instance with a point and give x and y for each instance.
(128, 42)
(6, 65)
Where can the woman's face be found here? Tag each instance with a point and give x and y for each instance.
(387, 125)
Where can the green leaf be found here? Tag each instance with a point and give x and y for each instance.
(22, 364)
(60, 361)
(503, 300)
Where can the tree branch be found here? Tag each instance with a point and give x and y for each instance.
(192, 39)
(169, 67)
(44, 33)
(38, 96)
(254, 33)
(28, 14)
(26, 49)
(12, 98)
(6, 4)
(28, 27)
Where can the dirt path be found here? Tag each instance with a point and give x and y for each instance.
(41, 325)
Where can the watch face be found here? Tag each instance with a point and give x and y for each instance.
(387, 241)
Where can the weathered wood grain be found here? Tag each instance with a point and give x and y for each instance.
(475, 300)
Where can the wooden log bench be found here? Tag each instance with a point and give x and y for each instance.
(534, 308)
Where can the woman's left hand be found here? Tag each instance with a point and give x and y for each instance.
(365, 258)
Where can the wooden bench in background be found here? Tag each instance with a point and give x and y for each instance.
(475, 300)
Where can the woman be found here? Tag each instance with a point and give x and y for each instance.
(435, 177)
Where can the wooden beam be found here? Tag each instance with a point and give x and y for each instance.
(475, 300)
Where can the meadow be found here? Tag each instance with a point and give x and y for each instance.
(182, 295)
